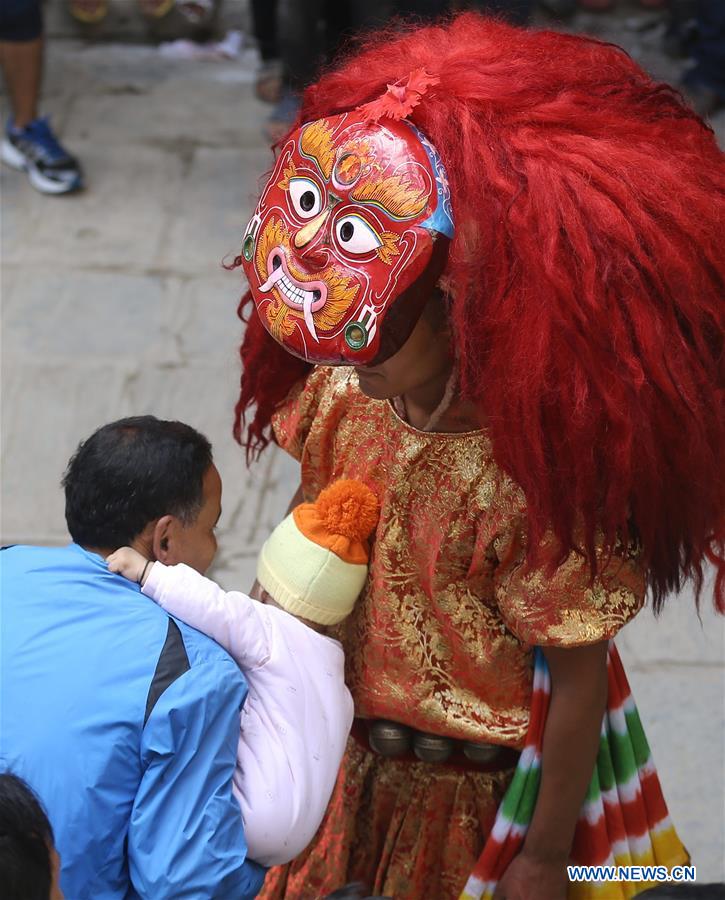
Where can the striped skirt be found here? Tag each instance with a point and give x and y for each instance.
(624, 819)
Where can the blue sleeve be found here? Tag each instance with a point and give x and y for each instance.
(186, 838)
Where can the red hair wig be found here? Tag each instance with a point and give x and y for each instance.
(586, 276)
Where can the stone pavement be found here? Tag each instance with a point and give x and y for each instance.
(115, 302)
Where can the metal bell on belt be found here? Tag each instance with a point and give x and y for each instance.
(432, 748)
(389, 738)
(480, 753)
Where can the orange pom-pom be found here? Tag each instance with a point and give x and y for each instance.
(348, 508)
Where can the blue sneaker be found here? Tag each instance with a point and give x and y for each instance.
(36, 150)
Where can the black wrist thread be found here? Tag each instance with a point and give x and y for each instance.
(143, 574)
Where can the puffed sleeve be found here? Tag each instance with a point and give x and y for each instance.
(565, 608)
(292, 421)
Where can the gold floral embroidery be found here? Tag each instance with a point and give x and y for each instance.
(440, 638)
(426, 854)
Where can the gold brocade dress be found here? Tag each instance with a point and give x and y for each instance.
(440, 639)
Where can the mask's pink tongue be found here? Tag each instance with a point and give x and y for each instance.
(272, 280)
(307, 309)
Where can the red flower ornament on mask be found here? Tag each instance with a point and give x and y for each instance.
(345, 226)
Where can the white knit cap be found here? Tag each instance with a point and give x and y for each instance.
(315, 562)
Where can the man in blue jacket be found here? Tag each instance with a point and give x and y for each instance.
(124, 721)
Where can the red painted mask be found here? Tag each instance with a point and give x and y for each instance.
(345, 227)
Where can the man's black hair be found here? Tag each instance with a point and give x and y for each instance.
(129, 473)
(26, 837)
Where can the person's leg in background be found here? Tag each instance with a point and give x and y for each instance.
(422, 9)
(346, 22)
(311, 33)
(680, 28)
(22, 63)
(516, 11)
(299, 42)
(264, 23)
(29, 144)
(705, 82)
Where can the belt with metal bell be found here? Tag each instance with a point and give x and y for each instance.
(393, 740)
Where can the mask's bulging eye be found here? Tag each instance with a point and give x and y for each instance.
(306, 197)
(356, 236)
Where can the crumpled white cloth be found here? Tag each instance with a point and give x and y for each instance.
(229, 48)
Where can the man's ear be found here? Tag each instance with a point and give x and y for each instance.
(163, 539)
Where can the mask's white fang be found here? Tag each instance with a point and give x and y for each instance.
(307, 307)
(272, 280)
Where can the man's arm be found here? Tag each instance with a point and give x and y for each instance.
(186, 838)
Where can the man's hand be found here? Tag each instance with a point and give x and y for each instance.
(526, 878)
(130, 563)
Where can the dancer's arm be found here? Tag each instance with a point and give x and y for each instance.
(571, 742)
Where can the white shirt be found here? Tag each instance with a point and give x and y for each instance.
(296, 718)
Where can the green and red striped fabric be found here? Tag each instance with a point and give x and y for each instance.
(624, 819)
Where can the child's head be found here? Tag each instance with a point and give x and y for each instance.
(145, 483)
(29, 862)
(315, 562)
